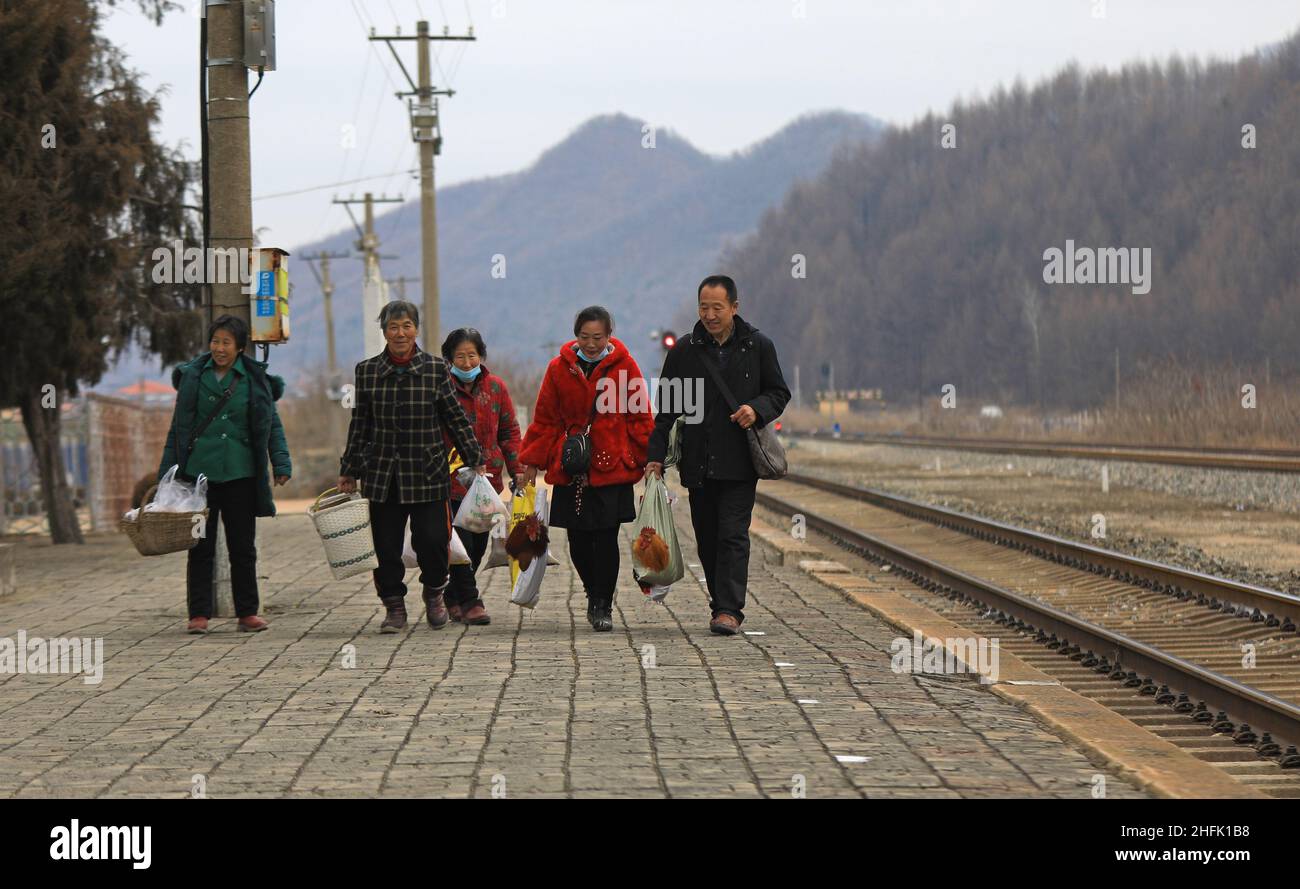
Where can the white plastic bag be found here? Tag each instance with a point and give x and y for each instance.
(174, 495)
(656, 593)
(481, 504)
(528, 588)
(459, 555)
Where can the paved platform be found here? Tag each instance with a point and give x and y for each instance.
(534, 705)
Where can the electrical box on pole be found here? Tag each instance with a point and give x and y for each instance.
(259, 34)
(268, 308)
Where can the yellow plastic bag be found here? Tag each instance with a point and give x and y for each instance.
(453, 461)
(526, 589)
(522, 505)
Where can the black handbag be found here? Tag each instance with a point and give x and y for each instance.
(575, 454)
(765, 450)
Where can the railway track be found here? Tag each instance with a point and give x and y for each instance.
(1211, 664)
(1262, 460)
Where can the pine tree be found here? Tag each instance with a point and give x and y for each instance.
(86, 195)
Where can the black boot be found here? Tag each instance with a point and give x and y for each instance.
(593, 608)
(604, 619)
(395, 620)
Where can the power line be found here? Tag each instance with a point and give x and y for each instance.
(285, 194)
(401, 209)
(369, 28)
(356, 110)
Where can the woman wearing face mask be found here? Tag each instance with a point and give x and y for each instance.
(486, 402)
(593, 505)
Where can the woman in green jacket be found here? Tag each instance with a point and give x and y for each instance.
(225, 426)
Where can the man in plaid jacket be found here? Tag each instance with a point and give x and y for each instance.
(396, 448)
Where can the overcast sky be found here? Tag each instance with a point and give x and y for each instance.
(722, 73)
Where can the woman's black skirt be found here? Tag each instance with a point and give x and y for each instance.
(607, 506)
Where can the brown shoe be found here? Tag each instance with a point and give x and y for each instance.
(453, 613)
(434, 608)
(198, 626)
(395, 619)
(477, 616)
(252, 624)
(724, 625)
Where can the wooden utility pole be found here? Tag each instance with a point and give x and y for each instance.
(1117, 382)
(425, 132)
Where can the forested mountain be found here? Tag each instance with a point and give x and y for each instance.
(597, 219)
(925, 264)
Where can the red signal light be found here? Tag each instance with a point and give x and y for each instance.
(669, 340)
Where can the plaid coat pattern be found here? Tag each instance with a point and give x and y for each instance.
(396, 434)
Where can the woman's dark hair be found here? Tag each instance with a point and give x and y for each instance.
(397, 309)
(719, 281)
(594, 313)
(236, 327)
(462, 335)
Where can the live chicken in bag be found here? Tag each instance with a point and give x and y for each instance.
(527, 579)
(656, 554)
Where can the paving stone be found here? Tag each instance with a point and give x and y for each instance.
(534, 705)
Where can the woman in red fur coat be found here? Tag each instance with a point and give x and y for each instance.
(594, 375)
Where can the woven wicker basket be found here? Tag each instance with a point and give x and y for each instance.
(343, 523)
(159, 533)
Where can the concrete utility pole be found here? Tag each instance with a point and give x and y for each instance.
(374, 291)
(426, 133)
(229, 173)
(401, 283)
(230, 200)
(327, 291)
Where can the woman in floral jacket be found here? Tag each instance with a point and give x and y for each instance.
(486, 402)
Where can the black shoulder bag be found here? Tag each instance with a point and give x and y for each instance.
(765, 449)
(575, 455)
(198, 430)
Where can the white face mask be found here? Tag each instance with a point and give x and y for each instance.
(609, 347)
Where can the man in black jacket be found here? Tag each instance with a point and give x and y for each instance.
(715, 465)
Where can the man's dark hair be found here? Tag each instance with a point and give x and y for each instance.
(236, 327)
(462, 335)
(719, 281)
(396, 310)
(594, 313)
